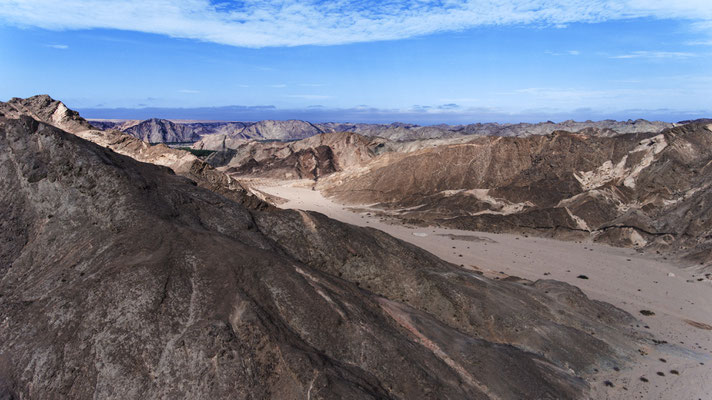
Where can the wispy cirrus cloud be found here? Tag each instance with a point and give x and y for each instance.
(58, 46)
(655, 54)
(260, 23)
(565, 53)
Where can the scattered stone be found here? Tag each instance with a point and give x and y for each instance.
(647, 313)
(699, 325)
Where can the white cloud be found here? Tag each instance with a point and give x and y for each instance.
(58, 46)
(656, 54)
(567, 53)
(260, 23)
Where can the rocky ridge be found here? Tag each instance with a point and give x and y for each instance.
(45, 109)
(217, 135)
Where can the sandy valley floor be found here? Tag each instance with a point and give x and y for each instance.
(680, 298)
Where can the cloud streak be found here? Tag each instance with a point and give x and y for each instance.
(262, 23)
(656, 54)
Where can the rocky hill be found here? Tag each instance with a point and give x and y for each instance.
(154, 130)
(44, 108)
(121, 279)
(309, 158)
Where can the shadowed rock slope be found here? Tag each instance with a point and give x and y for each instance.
(120, 279)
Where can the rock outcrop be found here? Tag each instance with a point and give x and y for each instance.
(44, 108)
(121, 279)
(309, 158)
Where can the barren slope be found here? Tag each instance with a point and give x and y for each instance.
(631, 190)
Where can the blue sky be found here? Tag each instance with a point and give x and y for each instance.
(451, 61)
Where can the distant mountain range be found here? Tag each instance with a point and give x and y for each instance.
(167, 131)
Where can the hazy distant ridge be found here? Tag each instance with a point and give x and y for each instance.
(162, 130)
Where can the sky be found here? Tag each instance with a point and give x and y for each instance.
(416, 61)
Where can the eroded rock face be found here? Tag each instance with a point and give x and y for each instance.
(120, 279)
(309, 158)
(639, 190)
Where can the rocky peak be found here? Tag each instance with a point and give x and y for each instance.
(44, 108)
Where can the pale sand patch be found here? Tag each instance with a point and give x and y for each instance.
(622, 277)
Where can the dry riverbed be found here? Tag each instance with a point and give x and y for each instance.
(680, 299)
